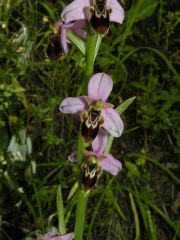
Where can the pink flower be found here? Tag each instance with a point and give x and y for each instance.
(94, 109)
(58, 45)
(106, 161)
(54, 236)
(99, 13)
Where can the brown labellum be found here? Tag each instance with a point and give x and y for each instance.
(99, 17)
(54, 50)
(90, 125)
(91, 173)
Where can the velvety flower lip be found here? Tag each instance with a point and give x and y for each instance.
(54, 48)
(99, 88)
(77, 10)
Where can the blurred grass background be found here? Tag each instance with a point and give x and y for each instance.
(142, 57)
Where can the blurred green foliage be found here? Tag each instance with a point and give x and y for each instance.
(142, 56)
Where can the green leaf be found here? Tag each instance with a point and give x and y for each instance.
(98, 43)
(133, 171)
(60, 211)
(78, 42)
(166, 218)
(152, 229)
(116, 205)
(20, 92)
(121, 108)
(136, 218)
(49, 9)
(141, 10)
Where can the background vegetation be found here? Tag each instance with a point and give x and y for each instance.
(142, 57)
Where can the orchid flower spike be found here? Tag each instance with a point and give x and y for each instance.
(54, 236)
(95, 112)
(58, 42)
(99, 13)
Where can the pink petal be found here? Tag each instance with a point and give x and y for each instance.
(78, 24)
(75, 10)
(64, 43)
(81, 33)
(78, 28)
(47, 236)
(112, 122)
(68, 236)
(117, 14)
(72, 105)
(50, 236)
(110, 164)
(100, 142)
(100, 86)
(107, 105)
(58, 237)
(88, 100)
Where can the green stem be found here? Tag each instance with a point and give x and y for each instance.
(80, 147)
(91, 51)
(80, 214)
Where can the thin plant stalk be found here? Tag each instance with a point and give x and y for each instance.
(80, 147)
(90, 58)
(91, 51)
(80, 214)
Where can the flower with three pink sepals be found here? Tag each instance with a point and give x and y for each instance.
(106, 161)
(99, 88)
